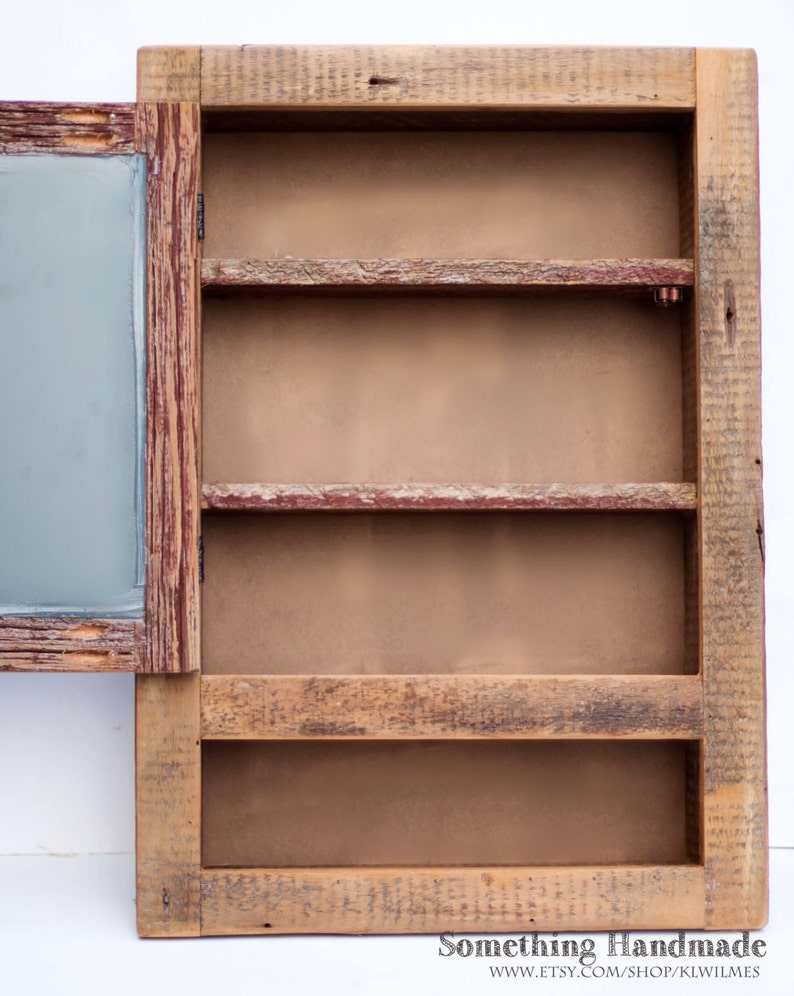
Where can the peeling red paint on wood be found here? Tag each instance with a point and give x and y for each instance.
(70, 644)
(663, 497)
(464, 276)
(76, 129)
(169, 136)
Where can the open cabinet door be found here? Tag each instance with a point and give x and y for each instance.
(73, 561)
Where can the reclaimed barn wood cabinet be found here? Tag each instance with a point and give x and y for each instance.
(453, 602)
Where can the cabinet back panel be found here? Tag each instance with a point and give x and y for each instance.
(385, 593)
(467, 195)
(440, 803)
(485, 390)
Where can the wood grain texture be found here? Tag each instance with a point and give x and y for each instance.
(666, 497)
(432, 900)
(74, 129)
(168, 795)
(531, 276)
(70, 644)
(405, 77)
(731, 522)
(168, 74)
(643, 707)
(169, 135)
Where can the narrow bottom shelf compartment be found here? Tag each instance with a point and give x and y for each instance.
(430, 803)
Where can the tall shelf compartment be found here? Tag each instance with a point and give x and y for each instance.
(461, 636)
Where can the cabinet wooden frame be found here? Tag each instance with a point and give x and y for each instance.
(717, 708)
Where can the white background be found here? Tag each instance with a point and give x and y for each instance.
(66, 741)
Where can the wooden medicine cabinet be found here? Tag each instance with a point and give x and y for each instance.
(453, 603)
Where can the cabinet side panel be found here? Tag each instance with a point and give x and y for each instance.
(169, 135)
(168, 791)
(735, 834)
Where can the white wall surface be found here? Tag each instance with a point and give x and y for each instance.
(66, 755)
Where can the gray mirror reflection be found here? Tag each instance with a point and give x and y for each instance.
(71, 385)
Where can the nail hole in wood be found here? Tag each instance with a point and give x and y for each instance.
(729, 300)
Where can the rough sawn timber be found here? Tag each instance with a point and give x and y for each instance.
(731, 516)
(168, 810)
(432, 900)
(169, 73)
(250, 76)
(641, 707)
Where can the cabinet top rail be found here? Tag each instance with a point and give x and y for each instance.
(422, 77)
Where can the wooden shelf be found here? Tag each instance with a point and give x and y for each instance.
(662, 497)
(615, 276)
(378, 707)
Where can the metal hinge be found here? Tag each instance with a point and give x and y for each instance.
(200, 213)
(201, 560)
